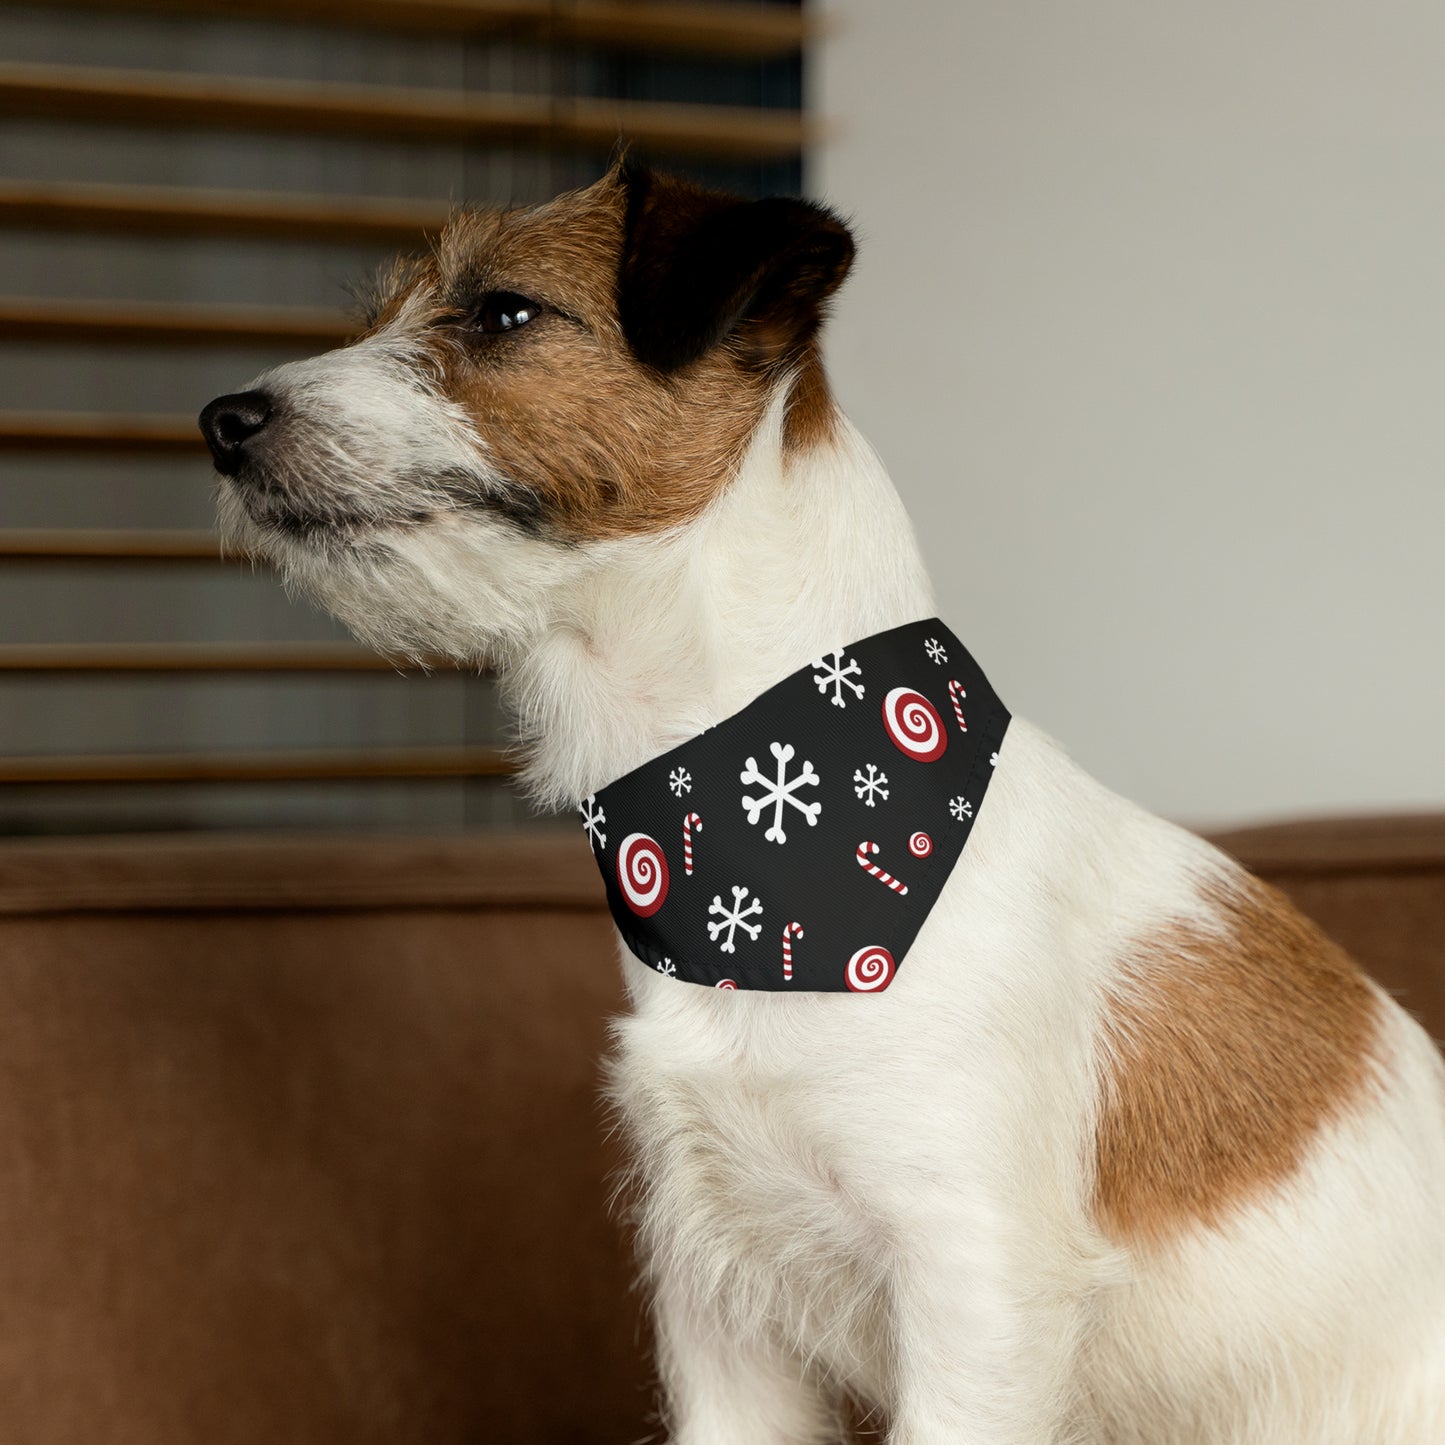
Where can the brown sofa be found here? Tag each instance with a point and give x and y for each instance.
(301, 1138)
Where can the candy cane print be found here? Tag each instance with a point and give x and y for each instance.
(864, 849)
(688, 824)
(956, 694)
(790, 932)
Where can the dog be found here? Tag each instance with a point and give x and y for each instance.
(1129, 1153)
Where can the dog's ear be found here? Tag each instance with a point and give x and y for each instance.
(700, 266)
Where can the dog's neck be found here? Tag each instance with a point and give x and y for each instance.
(666, 636)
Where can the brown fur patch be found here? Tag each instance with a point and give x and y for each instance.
(607, 446)
(1226, 1053)
(812, 413)
(598, 444)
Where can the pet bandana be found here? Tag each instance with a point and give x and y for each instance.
(800, 844)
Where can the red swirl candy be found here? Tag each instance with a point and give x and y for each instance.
(642, 874)
(870, 969)
(914, 726)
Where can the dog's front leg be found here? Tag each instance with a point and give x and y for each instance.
(720, 1388)
(985, 1346)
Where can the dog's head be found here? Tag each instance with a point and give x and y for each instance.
(546, 383)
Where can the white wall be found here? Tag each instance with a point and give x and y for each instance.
(1149, 324)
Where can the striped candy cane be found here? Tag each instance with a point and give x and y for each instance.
(864, 849)
(688, 823)
(956, 693)
(790, 932)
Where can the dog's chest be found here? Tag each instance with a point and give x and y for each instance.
(746, 1184)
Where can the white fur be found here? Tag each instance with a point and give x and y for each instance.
(891, 1194)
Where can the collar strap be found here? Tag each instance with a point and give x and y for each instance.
(800, 845)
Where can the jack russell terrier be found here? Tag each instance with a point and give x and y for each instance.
(1077, 1134)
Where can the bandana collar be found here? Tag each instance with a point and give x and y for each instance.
(800, 844)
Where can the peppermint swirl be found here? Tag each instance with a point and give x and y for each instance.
(642, 874)
(870, 969)
(913, 725)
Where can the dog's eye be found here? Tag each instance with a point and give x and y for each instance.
(504, 311)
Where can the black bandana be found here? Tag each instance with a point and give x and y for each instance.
(800, 844)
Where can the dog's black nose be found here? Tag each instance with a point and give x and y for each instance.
(229, 422)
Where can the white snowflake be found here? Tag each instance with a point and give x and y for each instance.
(780, 792)
(875, 783)
(961, 808)
(592, 820)
(934, 648)
(837, 675)
(668, 968)
(680, 781)
(734, 918)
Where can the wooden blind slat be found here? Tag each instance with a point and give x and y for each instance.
(175, 210)
(76, 544)
(78, 431)
(133, 657)
(259, 767)
(709, 29)
(217, 102)
(755, 32)
(170, 323)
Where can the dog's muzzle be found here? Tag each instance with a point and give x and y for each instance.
(230, 422)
